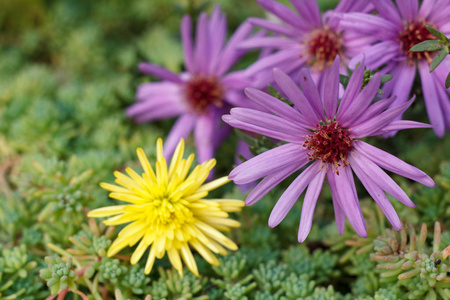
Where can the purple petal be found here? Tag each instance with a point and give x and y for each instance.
(361, 102)
(269, 121)
(204, 137)
(377, 194)
(431, 99)
(309, 11)
(368, 24)
(158, 90)
(375, 124)
(387, 9)
(230, 53)
(275, 106)
(352, 6)
(338, 212)
(391, 163)
(348, 198)
(217, 33)
(186, 39)
(378, 54)
(309, 204)
(269, 41)
(232, 121)
(202, 44)
(408, 9)
(352, 90)
(274, 27)
(330, 89)
(282, 12)
(311, 92)
(426, 8)
(401, 85)
(292, 193)
(381, 178)
(273, 60)
(374, 110)
(272, 180)
(236, 80)
(155, 108)
(402, 124)
(267, 162)
(181, 129)
(158, 71)
(293, 93)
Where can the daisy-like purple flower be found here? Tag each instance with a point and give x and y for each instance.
(202, 94)
(398, 28)
(305, 37)
(321, 130)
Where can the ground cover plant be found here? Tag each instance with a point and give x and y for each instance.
(160, 149)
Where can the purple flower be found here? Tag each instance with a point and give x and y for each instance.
(326, 132)
(202, 94)
(397, 29)
(305, 37)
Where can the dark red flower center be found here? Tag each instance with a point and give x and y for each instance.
(414, 33)
(329, 143)
(323, 47)
(203, 91)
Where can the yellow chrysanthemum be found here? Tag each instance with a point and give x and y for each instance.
(168, 213)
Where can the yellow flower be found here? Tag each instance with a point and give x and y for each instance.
(167, 211)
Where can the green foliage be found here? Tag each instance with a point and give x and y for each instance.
(59, 274)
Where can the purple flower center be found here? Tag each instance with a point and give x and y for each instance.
(413, 33)
(323, 47)
(329, 143)
(203, 91)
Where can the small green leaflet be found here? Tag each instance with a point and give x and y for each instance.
(447, 81)
(430, 45)
(438, 59)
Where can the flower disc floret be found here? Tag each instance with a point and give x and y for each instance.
(167, 211)
(414, 33)
(323, 47)
(204, 91)
(329, 143)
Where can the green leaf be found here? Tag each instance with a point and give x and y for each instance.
(430, 45)
(436, 33)
(385, 78)
(447, 81)
(438, 59)
(344, 80)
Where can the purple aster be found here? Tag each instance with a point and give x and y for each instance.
(326, 132)
(305, 37)
(202, 94)
(397, 29)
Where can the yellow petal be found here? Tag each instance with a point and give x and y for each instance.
(106, 211)
(159, 149)
(186, 166)
(131, 198)
(176, 158)
(137, 254)
(115, 188)
(216, 235)
(145, 164)
(213, 184)
(174, 257)
(118, 245)
(204, 252)
(150, 261)
(188, 259)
